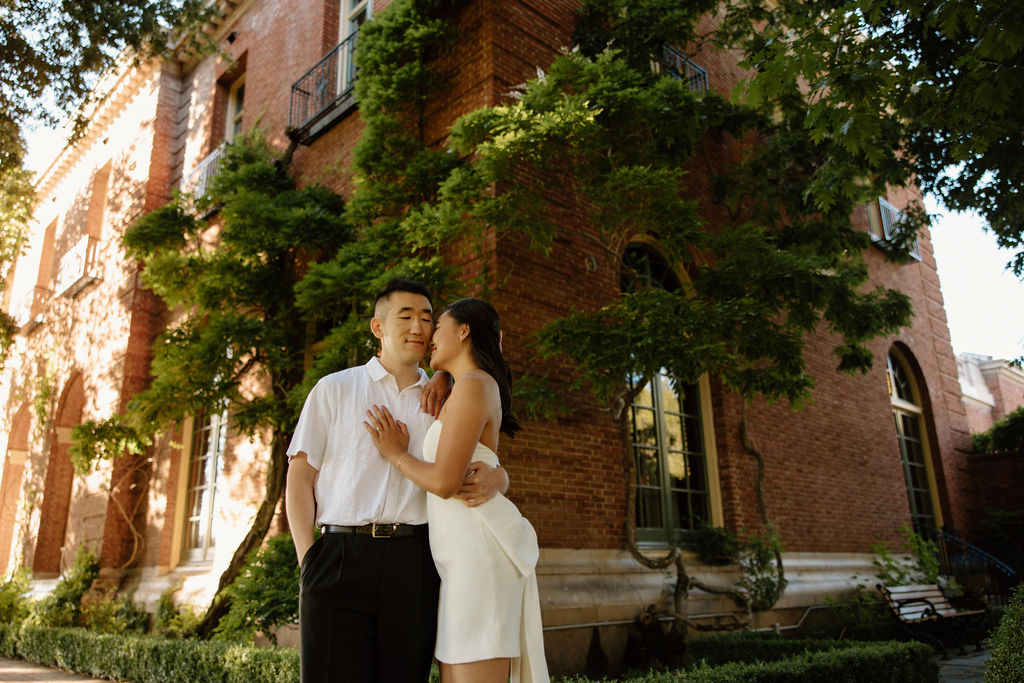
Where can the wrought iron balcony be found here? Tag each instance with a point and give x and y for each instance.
(678, 65)
(199, 179)
(78, 267)
(324, 93)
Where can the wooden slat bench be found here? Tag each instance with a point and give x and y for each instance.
(925, 610)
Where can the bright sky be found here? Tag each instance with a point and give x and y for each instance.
(984, 301)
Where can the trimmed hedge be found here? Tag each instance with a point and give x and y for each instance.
(7, 646)
(893, 662)
(146, 659)
(728, 648)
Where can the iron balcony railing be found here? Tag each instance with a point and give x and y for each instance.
(324, 93)
(199, 179)
(679, 66)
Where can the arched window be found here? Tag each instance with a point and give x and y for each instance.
(909, 418)
(670, 431)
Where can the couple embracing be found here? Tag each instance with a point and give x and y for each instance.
(377, 453)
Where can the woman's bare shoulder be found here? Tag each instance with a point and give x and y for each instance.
(475, 388)
(476, 383)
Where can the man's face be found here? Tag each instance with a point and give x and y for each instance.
(404, 324)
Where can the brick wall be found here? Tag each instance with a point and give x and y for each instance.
(834, 476)
(59, 479)
(10, 485)
(994, 482)
(1007, 390)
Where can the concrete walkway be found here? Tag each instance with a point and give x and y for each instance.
(18, 671)
(960, 669)
(969, 669)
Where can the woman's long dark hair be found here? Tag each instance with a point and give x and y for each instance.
(485, 339)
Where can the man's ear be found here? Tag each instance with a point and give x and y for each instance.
(375, 327)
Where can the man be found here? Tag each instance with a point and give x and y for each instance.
(368, 587)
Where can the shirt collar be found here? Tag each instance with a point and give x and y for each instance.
(378, 372)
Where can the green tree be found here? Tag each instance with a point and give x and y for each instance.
(916, 89)
(620, 141)
(15, 209)
(52, 52)
(275, 291)
(239, 334)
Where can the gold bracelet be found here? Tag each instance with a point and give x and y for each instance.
(398, 465)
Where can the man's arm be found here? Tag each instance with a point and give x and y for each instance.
(300, 503)
(435, 392)
(482, 483)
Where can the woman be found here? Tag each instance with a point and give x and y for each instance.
(489, 615)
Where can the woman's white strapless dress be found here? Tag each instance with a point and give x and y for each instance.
(486, 557)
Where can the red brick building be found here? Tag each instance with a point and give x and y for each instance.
(992, 389)
(841, 474)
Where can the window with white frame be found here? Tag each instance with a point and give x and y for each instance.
(236, 109)
(209, 438)
(883, 219)
(354, 14)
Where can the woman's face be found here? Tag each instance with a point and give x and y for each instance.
(446, 343)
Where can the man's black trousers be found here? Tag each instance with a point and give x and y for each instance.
(367, 609)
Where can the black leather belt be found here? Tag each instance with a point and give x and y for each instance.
(377, 530)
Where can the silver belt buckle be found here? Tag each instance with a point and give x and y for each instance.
(383, 530)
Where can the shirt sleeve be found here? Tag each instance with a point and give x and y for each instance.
(314, 425)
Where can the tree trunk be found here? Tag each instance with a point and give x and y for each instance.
(674, 557)
(276, 471)
(762, 506)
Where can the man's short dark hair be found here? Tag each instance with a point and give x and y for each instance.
(400, 284)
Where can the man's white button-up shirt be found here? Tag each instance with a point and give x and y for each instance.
(355, 485)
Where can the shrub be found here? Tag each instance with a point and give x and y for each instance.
(715, 545)
(171, 621)
(922, 567)
(145, 659)
(725, 648)
(265, 594)
(762, 579)
(863, 617)
(1006, 664)
(115, 615)
(13, 603)
(8, 647)
(63, 607)
(1006, 435)
(854, 663)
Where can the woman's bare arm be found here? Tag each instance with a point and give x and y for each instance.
(467, 413)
